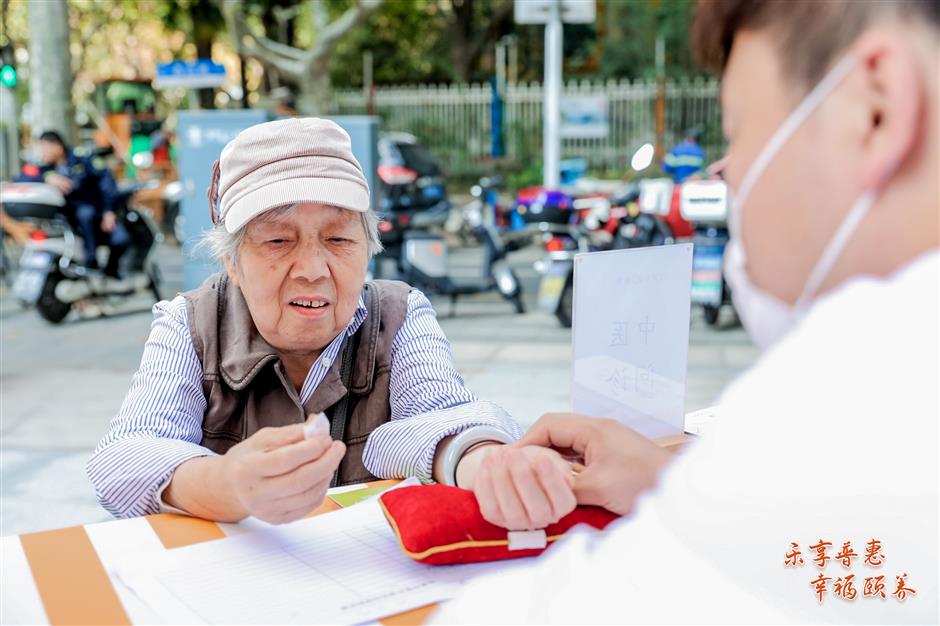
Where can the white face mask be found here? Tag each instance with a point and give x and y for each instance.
(765, 317)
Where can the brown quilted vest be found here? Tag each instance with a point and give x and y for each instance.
(246, 387)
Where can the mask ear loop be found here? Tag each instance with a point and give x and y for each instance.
(792, 123)
(841, 238)
(835, 247)
(214, 192)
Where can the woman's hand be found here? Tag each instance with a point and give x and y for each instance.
(278, 476)
(275, 475)
(518, 487)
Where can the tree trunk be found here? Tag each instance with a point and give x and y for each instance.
(461, 34)
(50, 73)
(271, 79)
(460, 59)
(315, 94)
(469, 38)
(204, 51)
(243, 80)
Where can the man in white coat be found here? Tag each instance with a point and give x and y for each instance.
(815, 497)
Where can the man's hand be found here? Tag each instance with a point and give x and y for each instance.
(108, 220)
(60, 182)
(518, 488)
(619, 463)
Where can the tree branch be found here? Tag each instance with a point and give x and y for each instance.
(259, 48)
(328, 37)
(276, 47)
(319, 15)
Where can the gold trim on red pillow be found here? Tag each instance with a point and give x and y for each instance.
(451, 547)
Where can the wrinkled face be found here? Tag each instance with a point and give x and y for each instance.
(50, 152)
(803, 193)
(301, 275)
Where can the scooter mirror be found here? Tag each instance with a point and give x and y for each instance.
(142, 160)
(642, 157)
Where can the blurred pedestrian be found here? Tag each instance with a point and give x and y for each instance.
(687, 158)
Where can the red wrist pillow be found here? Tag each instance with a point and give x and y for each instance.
(442, 525)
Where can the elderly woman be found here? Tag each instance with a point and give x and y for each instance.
(216, 421)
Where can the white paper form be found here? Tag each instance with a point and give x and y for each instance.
(631, 336)
(343, 567)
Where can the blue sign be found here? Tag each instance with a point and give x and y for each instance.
(201, 135)
(190, 74)
(364, 135)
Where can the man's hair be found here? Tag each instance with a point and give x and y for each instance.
(52, 136)
(810, 34)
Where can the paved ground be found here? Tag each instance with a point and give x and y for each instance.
(60, 385)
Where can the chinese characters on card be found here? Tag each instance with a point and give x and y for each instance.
(622, 379)
(631, 336)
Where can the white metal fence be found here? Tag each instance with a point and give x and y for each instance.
(454, 121)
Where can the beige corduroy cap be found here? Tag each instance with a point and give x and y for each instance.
(284, 162)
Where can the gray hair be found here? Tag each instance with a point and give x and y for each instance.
(220, 244)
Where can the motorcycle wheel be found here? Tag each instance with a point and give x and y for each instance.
(566, 306)
(179, 228)
(516, 296)
(50, 308)
(155, 280)
(169, 219)
(711, 314)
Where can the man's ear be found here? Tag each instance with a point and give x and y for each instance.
(894, 93)
(231, 271)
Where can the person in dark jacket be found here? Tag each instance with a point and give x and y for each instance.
(90, 193)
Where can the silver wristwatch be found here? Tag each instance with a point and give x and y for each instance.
(465, 440)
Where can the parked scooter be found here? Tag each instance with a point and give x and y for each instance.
(421, 258)
(51, 274)
(634, 227)
(485, 207)
(556, 289)
(424, 265)
(705, 202)
(537, 205)
(604, 224)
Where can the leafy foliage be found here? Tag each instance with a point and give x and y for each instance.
(631, 29)
(411, 41)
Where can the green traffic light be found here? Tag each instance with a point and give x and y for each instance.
(8, 76)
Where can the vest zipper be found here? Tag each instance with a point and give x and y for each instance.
(289, 387)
